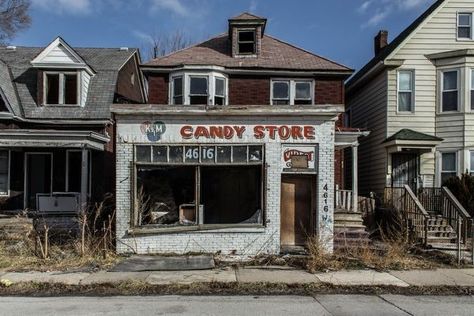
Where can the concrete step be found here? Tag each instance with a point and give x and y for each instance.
(448, 246)
(441, 240)
(448, 234)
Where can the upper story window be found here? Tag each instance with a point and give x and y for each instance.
(464, 27)
(198, 89)
(246, 42)
(448, 166)
(292, 92)
(406, 87)
(450, 91)
(61, 88)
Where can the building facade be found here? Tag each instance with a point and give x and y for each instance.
(235, 152)
(415, 96)
(55, 125)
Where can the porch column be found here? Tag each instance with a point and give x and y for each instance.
(84, 178)
(355, 190)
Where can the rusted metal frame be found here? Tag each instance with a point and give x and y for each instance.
(462, 216)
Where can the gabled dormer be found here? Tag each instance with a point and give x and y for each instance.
(64, 76)
(245, 33)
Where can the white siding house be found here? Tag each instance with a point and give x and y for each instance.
(415, 97)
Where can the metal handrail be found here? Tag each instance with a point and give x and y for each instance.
(417, 214)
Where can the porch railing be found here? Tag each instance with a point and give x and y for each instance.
(415, 217)
(344, 199)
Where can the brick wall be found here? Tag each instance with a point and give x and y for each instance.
(249, 90)
(329, 91)
(241, 241)
(158, 88)
(127, 87)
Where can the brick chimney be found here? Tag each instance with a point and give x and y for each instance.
(380, 41)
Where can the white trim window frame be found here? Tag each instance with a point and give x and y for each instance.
(211, 77)
(450, 172)
(292, 98)
(444, 91)
(465, 26)
(252, 42)
(177, 99)
(61, 87)
(5, 154)
(405, 90)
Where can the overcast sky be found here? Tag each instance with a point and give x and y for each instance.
(341, 30)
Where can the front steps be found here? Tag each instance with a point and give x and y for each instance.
(349, 230)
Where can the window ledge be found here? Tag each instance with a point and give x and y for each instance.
(196, 229)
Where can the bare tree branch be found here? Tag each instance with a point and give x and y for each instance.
(14, 17)
(158, 45)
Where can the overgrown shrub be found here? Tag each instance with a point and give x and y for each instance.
(463, 190)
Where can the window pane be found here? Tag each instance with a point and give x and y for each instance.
(465, 20)
(208, 154)
(464, 32)
(3, 171)
(405, 81)
(240, 153)
(404, 101)
(472, 161)
(191, 153)
(52, 89)
(281, 90)
(303, 90)
(198, 100)
(70, 89)
(198, 86)
(178, 86)
(450, 80)
(219, 100)
(160, 153)
(472, 100)
(176, 153)
(178, 100)
(246, 48)
(143, 153)
(255, 153)
(231, 194)
(165, 196)
(220, 87)
(223, 153)
(450, 101)
(247, 36)
(449, 162)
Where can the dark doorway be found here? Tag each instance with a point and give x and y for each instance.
(38, 176)
(405, 170)
(297, 205)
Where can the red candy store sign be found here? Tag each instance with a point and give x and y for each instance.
(281, 132)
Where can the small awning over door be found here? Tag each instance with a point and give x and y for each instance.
(52, 139)
(407, 139)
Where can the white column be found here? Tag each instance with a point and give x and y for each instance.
(84, 177)
(355, 190)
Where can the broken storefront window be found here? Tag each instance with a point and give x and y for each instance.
(228, 179)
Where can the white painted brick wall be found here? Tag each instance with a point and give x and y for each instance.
(241, 242)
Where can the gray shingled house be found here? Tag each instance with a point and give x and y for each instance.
(55, 123)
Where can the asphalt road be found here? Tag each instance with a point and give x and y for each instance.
(240, 305)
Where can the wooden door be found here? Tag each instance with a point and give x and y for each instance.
(296, 209)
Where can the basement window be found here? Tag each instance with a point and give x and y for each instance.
(246, 42)
(61, 88)
(207, 186)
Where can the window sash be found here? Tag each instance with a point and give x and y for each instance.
(61, 87)
(191, 86)
(464, 26)
(443, 166)
(287, 83)
(445, 93)
(409, 91)
(306, 83)
(246, 42)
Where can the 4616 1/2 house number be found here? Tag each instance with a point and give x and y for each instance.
(325, 215)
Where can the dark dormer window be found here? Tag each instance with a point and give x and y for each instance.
(246, 42)
(61, 88)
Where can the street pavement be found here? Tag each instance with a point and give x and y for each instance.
(240, 305)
